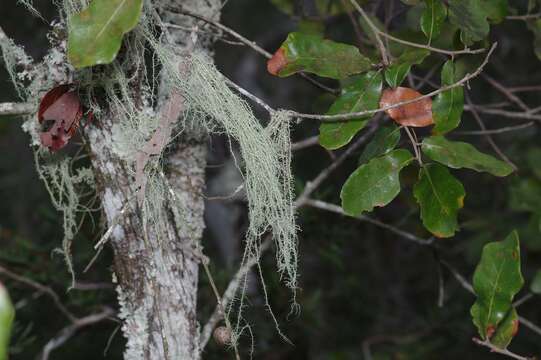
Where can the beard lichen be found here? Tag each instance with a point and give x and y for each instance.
(209, 104)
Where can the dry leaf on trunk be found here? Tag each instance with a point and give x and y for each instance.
(417, 114)
(59, 114)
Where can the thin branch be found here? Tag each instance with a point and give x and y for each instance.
(303, 144)
(495, 349)
(358, 114)
(45, 289)
(524, 17)
(10, 108)
(376, 31)
(504, 113)
(311, 186)
(508, 94)
(488, 137)
(221, 306)
(409, 43)
(495, 131)
(229, 293)
(251, 44)
(66, 333)
(338, 210)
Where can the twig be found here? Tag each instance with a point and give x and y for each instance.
(377, 33)
(303, 144)
(338, 210)
(221, 307)
(524, 17)
(495, 131)
(311, 186)
(508, 94)
(495, 349)
(45, 289)
(487, 136)
(10, 108)
(66, 333)
(229, 293)
(504, 113)
(405, 42)
(358, 114)
(251, 44)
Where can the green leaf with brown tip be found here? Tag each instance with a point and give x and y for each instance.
(440, 195)
(458, 155)
(95, 34)
(374, 184)
(497, 279)
(363, 94)
(311, 53)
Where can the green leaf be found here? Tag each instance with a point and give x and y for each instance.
(385, 140)
(7, 314)
(458, 155)
(363, 94)
(95, 34)
(506, 330)
(374, 184)
(432, 18)
(440, 196)
(496, 280)
(448, 106)
(535, 286)
(496, 10)
(311, 53)
(398, 70)
(471, 18)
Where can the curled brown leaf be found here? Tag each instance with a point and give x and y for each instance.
(416, 114)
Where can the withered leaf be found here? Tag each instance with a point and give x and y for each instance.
(59, 114)
(416, 114)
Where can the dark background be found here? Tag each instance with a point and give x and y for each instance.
(359, 285)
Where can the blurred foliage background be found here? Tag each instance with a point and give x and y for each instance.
(365, 292)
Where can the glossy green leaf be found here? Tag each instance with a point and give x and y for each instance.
(384, 140)
(95, 34)
(506, 330)
(432, 18)
(448, 106)
(458, 155)
(496, 10)
(374, 184)
(535, 286)
(471, 18)
(440, 195)
(496, 280)
(361, 95)
(310, 53)
(7, 313)
(399, 69)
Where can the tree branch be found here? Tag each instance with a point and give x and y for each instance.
(10, 108)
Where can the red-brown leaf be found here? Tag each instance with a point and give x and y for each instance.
(417, 114)
(277, 62)
(59, 113)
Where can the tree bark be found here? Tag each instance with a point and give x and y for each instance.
(157, 276)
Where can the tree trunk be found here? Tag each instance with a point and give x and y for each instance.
(157, 277)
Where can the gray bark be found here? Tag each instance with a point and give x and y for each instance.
(157, 277)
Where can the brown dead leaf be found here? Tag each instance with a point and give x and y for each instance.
(416, 114)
